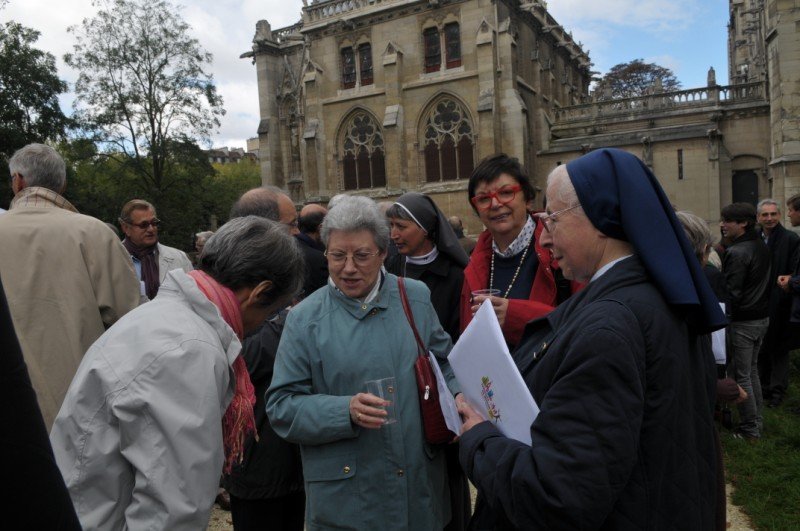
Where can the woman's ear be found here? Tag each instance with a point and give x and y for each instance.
(260, 294)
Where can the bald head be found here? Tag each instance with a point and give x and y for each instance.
(261, 202)
(313, 208)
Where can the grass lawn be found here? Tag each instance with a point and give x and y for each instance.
(766, 474)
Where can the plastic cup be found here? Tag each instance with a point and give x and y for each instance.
(386, 389)
(486, 293)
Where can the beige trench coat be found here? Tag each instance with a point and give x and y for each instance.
(67, 278)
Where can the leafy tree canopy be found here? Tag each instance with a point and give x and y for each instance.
(29, 89)
(143, 88)
(636, 78)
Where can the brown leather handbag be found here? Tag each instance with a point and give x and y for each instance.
(436, 430)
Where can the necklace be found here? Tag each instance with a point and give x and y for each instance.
(516, 273)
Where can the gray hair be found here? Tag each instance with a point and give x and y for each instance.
(697, 232)
(246, 251)
(355, 213)
(768, 201)
(335, 199)
(40, 165)
(563, 189)
(261, 202)
(204, 236)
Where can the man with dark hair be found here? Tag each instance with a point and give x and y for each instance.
(745, 268)
(773, 360)
(66, 275)
(151, 259)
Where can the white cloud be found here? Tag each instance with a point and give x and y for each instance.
(651, 15)
(223, 27)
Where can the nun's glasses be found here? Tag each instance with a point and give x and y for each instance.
(548, 219)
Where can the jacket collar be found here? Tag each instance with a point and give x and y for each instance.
(38, 197)
(748, 236)
(359, 309)
(179, 285)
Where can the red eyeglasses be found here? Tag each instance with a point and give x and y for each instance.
(504, 195)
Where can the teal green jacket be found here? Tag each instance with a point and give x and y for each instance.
(357, 478)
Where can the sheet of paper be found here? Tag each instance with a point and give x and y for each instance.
(718, 342)
(446, 400)
(490, 379)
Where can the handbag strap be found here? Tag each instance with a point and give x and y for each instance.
(410, 316)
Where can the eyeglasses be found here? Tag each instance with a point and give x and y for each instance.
(360, 258)
(548, 219)
(504, 195)
(292, 224)
(144, 225)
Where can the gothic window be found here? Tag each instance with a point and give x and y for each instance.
(365, 63)
(348, 68)
(363, 162)
(357, 69)
(433, 54)
(434, 42)
(452, 45)
(449, 145)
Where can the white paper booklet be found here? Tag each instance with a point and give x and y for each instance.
(490, 379)
(446, 400)
(718, 342)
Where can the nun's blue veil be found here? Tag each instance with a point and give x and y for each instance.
(623, 200)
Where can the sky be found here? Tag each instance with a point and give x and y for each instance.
(688, 36)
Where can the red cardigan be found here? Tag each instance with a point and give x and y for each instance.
(543, 297)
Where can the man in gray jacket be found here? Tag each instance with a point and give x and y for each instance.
(151, 259)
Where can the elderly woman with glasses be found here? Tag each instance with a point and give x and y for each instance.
(360, 472)
(522, 280)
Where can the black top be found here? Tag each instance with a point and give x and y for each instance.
(271, 467)
(316, 266)
(36, 495)
(444, 278)
(745, 267)
(624, 439)
(504, 269)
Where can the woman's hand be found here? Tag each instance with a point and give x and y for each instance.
(366, 411)
(468, 414)
(499, 305)
(783, 282)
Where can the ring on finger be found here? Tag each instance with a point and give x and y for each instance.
(358, 416)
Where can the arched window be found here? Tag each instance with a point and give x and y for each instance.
(363, 162)
(449, 142)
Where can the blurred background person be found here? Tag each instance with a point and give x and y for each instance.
(360, 473)
(467, 243)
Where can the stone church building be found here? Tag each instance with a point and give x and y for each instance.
(379, 97)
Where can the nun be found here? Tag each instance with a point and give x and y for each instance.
(428, 250)
(622, 371)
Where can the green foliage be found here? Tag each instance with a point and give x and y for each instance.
(29, 89)
(637, 78)
(766, 474)
(198, 198)
(143, 89)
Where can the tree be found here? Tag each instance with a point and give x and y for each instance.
(29, 89)
(636, 78)
(143, 87)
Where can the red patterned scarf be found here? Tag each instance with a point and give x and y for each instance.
(239, 420)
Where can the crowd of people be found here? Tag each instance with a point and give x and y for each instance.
(244, 367)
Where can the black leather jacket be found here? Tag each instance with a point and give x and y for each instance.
(745, 267)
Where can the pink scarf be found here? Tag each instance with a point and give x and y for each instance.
(239, 420)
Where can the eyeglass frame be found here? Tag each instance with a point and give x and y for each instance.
(144, 225)
(547, 219)
(337, 257)
(516, 188)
